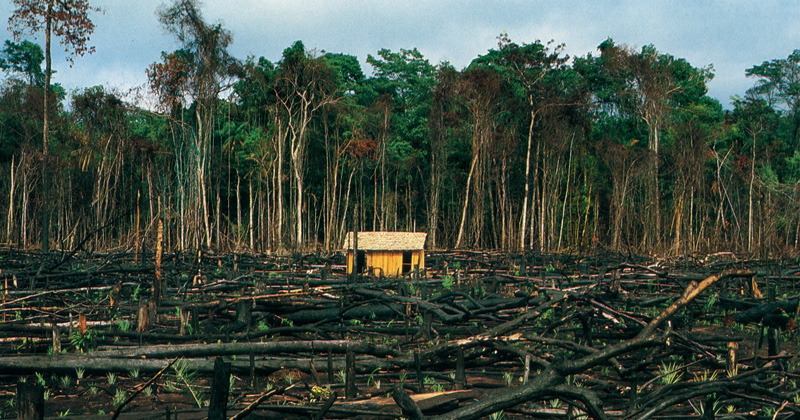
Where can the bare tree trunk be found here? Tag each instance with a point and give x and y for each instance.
(433, 209)
(535, 198)
(24, 221)
(656, 197)
(524, 223)
(543, 240)
(466, 202)
(566, 194)
(750, 199)
(250, 226)
(238, 208)
(46, 135)
(279, 181)
(346, 204)
(10, 220)
(503, 205)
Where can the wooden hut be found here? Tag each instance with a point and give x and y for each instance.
(386, 253)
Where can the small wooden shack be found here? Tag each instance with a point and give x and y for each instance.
(386, 253)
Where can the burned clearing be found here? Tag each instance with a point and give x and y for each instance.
(473, 335)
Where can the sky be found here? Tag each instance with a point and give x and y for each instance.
(731, 36)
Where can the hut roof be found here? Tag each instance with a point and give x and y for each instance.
(387, 241)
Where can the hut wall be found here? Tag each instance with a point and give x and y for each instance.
(387, 263)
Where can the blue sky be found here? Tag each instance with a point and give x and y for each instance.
(730, 35)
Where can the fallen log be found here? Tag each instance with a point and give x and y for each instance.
(551, 381)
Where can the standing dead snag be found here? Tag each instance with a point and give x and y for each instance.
(159, 251)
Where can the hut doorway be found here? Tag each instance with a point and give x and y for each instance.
(406, 262)
(361, 261)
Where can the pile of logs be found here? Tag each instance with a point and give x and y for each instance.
(477, 334)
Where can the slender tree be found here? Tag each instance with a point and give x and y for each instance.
(200, 71)
(70, 21)
(778, 83)
(304, 85)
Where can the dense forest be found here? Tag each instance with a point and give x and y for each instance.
(525, 148)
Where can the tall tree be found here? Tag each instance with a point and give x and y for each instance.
(648, 84)
(68, 20)
(399, 100)
(442, 119)
(304, 85)
(778, 83)
(200, 72)
(102, 116)
(25, 59)
(481, 88)
(756, 120)
(530, 69)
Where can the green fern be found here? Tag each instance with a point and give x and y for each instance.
(188, 378)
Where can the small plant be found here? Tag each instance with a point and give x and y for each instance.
(134, 373)
(63, 413)
(111, 377)
(670, 373)
(66, 381)
(46, 394)
(403, 376)
(732, 370)
(170, 386)
(554, 403)
(40, 379)
(80, 373)
(497, 415)
(707, 376)
(371, 379)
(448, 282)
(478, 292)
(433, 384)
(188, 378)
(289, 379)
(148, 391)
(93, 390)
(508, 378)
(712, 300)
(341, 376)
(124, 324)
(319, 393)
(120, 396)
(83, 342)
(699, 408)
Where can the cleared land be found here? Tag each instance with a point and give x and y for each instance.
(480, 334)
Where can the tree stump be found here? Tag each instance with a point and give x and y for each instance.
(30, 401)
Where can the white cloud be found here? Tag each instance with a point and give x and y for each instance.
(732, 35)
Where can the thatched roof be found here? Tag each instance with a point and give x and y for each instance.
(387, 241)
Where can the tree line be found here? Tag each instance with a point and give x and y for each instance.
(525, 148)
